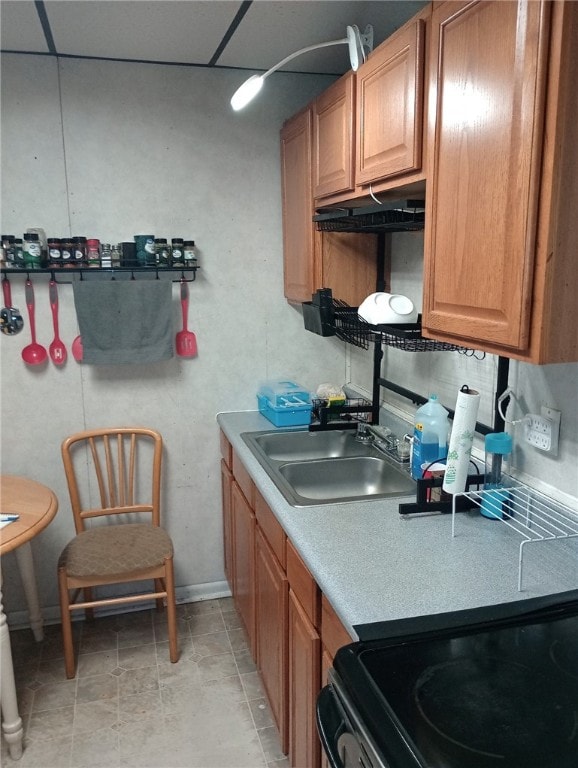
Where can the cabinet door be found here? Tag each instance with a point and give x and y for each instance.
(301, 270)
(243, 523)
(304, 686)
(389, 107)
(226, 489)
(487, 70)
(272, 604)
(333, 125)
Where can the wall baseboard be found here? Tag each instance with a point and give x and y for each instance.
(187, 594)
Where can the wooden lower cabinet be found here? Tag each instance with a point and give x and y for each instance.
(293, 631)
(226, 489)
(243, 535)
(272, 604)
(304, 686)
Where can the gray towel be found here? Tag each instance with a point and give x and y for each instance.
(124, 321)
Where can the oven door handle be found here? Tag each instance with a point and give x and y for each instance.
(330, 725)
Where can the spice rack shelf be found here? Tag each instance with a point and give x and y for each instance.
(57, 271)
(529, 513)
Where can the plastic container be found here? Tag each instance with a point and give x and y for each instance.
(498, 446)
(430, 435)
(285, 403)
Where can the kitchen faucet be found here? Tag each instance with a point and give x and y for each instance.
(383, 440)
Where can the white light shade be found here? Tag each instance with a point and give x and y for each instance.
(246, 92)
(354, 40)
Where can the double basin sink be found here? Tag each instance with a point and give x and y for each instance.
(331, 467)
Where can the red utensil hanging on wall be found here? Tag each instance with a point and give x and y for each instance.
(57, 350)
(186, 341)
(34, 353)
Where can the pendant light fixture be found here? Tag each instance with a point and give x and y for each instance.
(355, 41)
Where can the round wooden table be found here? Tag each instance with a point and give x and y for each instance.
(35, 505)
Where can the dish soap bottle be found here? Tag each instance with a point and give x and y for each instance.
(430, 435)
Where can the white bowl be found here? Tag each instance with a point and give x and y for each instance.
(387, 309)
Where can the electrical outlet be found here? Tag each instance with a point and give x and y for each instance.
(554, 417)
(542, 431)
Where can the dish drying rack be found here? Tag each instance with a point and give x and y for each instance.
(529, 513)
(345, 415)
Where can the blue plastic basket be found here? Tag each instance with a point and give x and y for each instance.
(285, 404)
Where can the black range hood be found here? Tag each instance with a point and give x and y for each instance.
(391, 216)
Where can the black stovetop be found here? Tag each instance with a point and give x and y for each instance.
(499, 693)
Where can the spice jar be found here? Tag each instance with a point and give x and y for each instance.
(54, 252)
(8, 251)
(189, 253)
(162, 252)
(67, 252)
(32, 250)
(106, 256)
(177, 247)
(93, 252)
(79, 251)
(116, 256)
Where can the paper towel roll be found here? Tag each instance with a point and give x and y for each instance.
(461, 440)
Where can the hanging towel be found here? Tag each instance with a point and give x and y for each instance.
(124, 321)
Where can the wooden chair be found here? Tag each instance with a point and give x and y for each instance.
(122, 469)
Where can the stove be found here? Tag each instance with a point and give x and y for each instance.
(488, 688)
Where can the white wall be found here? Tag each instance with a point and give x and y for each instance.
(149, 148)
(444, 373)
(153, 148)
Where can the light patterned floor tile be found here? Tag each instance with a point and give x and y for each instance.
(129, 707)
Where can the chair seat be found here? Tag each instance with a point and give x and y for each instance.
(115, 550)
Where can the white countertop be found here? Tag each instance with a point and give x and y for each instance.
(375, 565)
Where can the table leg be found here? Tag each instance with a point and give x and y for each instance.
(26, 568)
(11, 721)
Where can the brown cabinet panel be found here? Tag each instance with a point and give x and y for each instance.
(389, 107)
(304, 586)
(226, 490)
(271, 528)
(333, 131)
(226, 449)
(243, 527)
(344, 262)
(304, 687)
(333, 633)
(487, 72)
(244, 480)
(301, 269)
(272, 605)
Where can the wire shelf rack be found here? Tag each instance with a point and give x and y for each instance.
(529, 513)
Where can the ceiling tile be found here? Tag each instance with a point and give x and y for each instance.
(21, 27)
(162, 30)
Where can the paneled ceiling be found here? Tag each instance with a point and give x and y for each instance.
(254, 34)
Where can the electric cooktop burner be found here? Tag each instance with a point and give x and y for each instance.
(469, 708)
(489, 697)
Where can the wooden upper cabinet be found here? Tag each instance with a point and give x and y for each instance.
(301, 271)
(485, 168)
(333, 132)
(500, 265)
(389, 107)
(344, 262)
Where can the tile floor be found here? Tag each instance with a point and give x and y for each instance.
(130, 707)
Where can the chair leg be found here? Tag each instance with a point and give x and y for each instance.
(159, 587)
(88, 612)
(171, 610)
(66, 625)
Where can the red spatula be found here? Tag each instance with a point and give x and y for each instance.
(186, 341)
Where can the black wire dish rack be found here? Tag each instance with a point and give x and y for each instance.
(327, 316)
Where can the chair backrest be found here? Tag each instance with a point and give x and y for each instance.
(114, 471)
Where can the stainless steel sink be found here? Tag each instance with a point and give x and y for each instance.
(330, 467)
